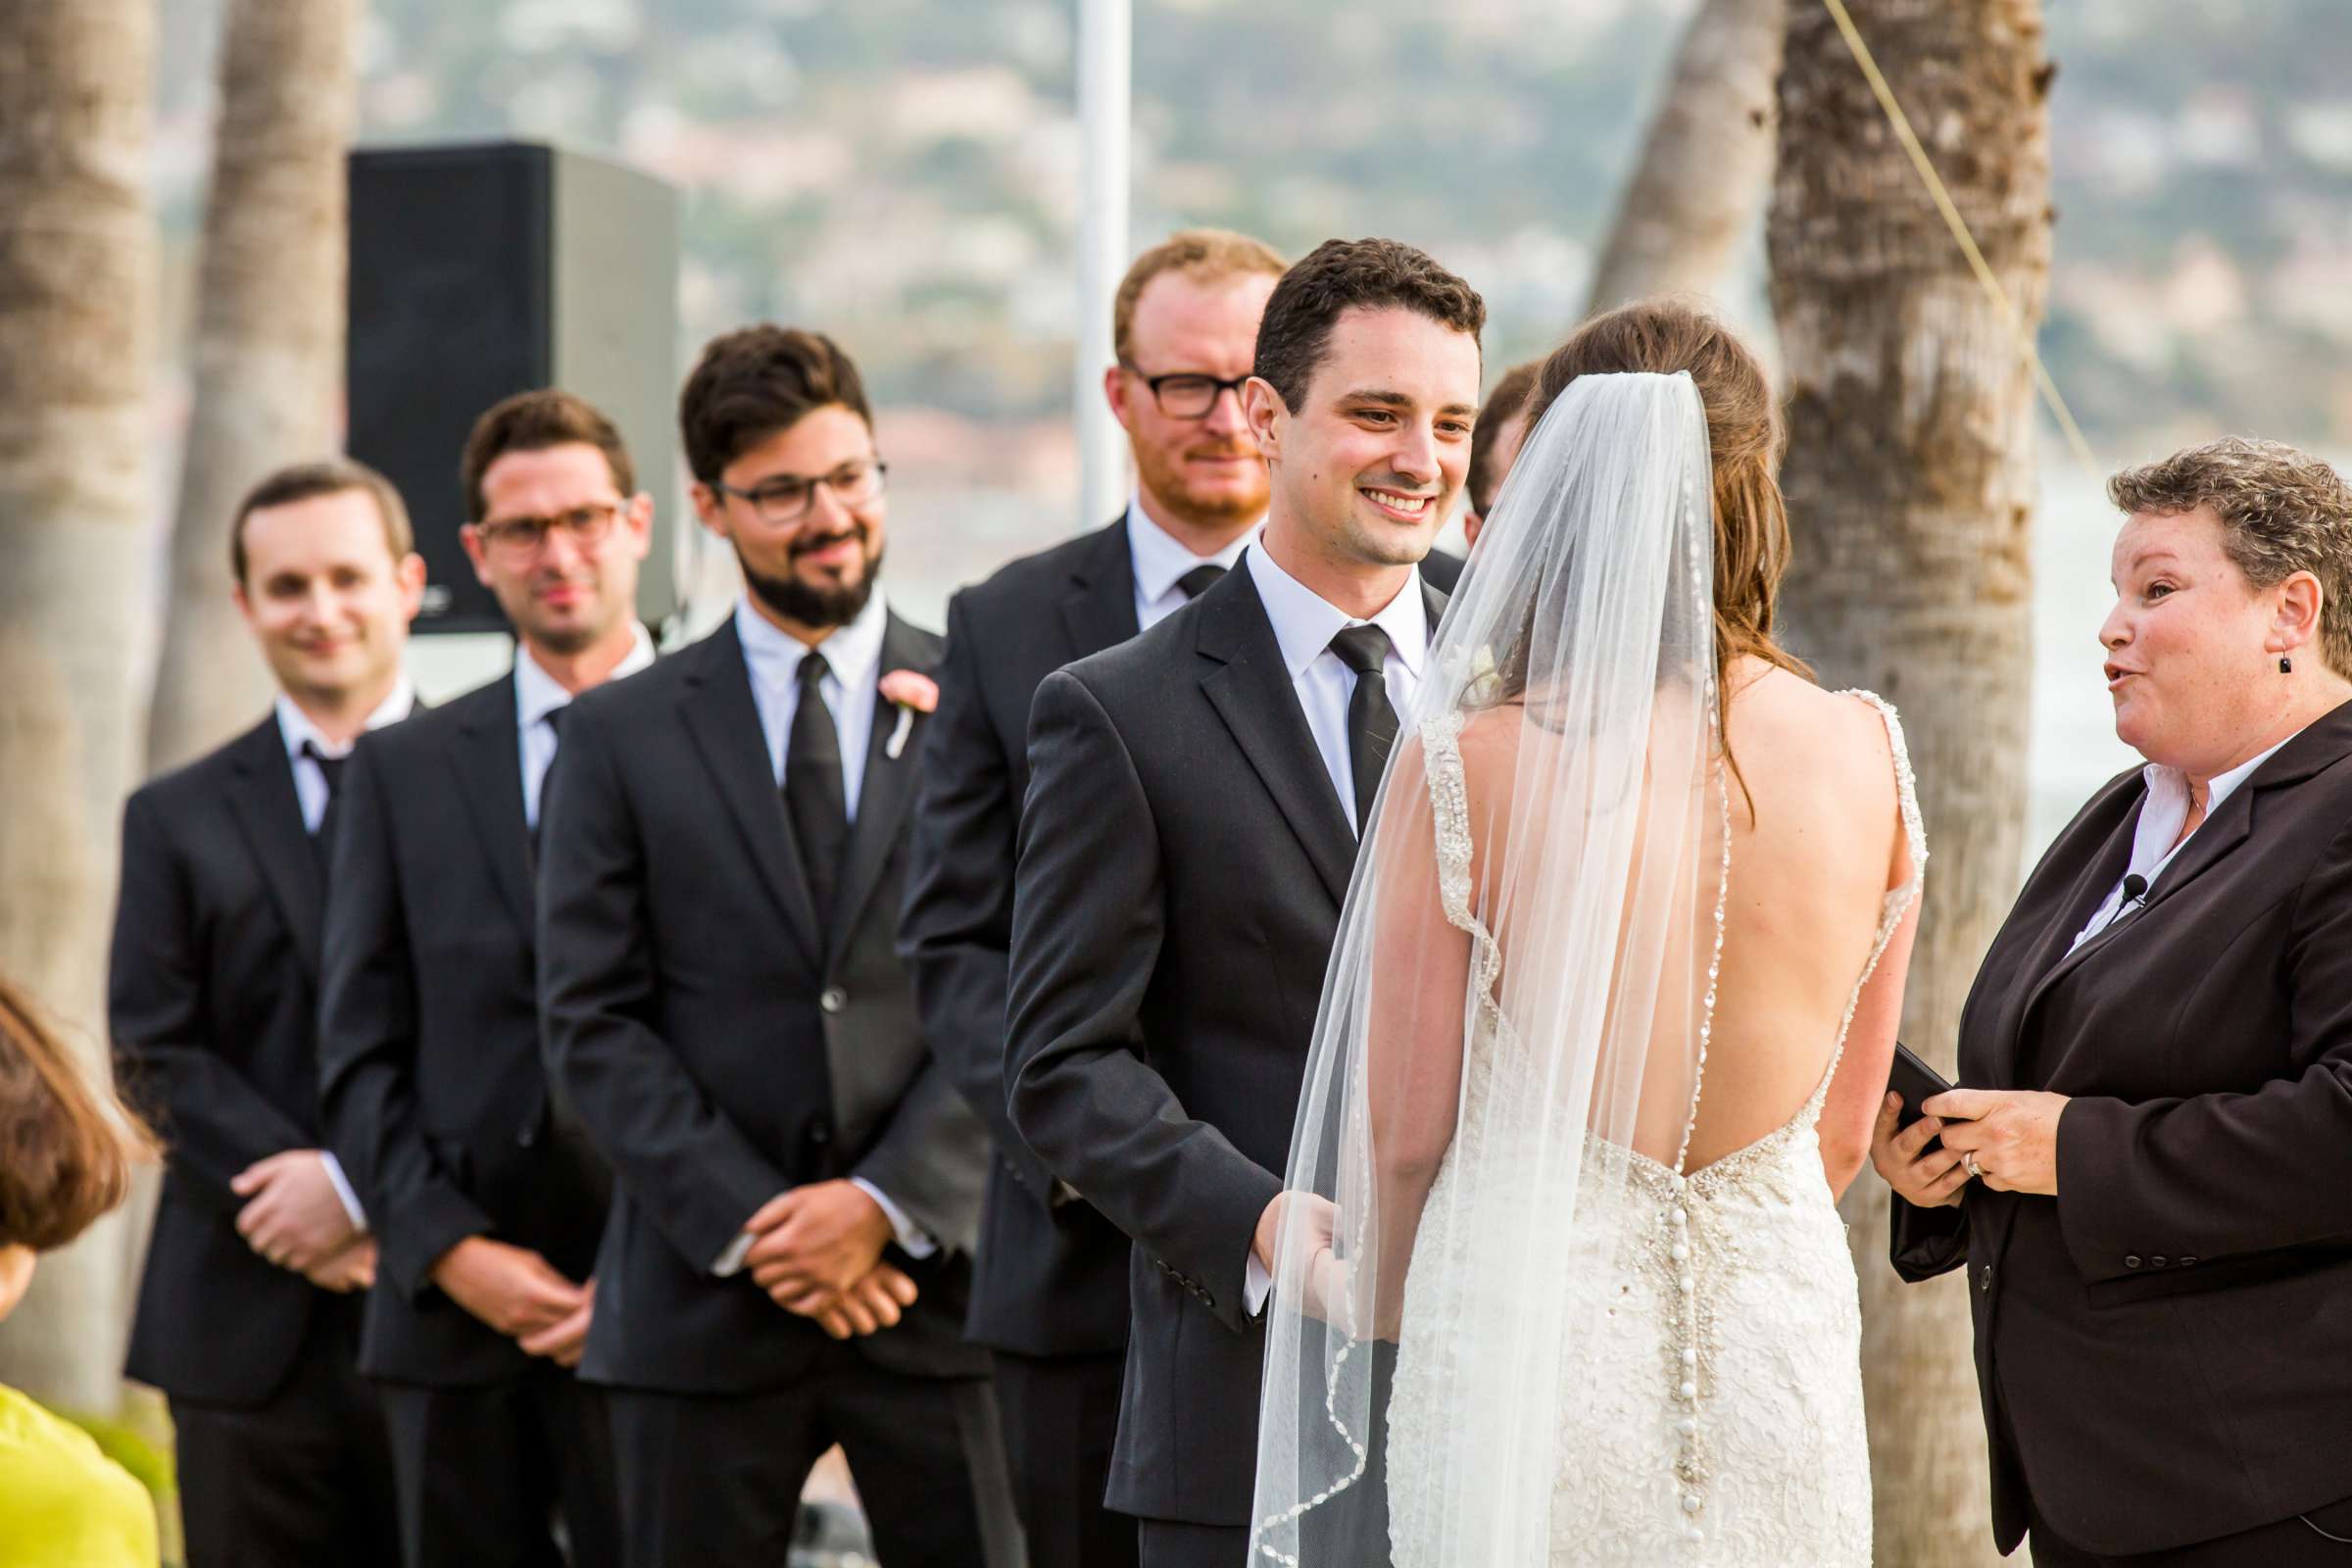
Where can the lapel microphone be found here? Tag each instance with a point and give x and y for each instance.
(2136, 892)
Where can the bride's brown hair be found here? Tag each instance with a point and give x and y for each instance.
(1744, 442)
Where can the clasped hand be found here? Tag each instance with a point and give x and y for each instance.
(2010, 1136)
(819, 1252)
(294, 1219)
(522, 1295)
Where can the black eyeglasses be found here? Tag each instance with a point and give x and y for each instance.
(1187, 394)
(786, 498)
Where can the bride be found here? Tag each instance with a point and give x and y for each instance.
(1559, 1278)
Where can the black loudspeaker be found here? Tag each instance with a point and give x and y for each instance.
(486, 270)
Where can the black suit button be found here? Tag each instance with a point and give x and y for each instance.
(1984, 1278)
(820, 1135)
(2189, 1262)
(2132, 1261)
(2161, 1262)
(528, 1133)
(833, 999)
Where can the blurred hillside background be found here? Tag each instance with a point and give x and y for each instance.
(904, 175)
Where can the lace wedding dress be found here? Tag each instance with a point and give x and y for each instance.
(1712, 1411)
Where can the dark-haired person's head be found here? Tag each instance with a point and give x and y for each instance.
(328, 579)
(70, 1148)
(1494, 443)
(1362, 400)
(555, 523)
(1183, 327)
(781, 444)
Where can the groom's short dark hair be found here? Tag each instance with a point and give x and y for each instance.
(1338, 276)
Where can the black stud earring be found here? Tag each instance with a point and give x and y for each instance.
(2286, 665)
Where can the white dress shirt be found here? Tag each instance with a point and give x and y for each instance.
(294, 726)
(2161, 817)
(1305, 623)
(853, 672)
(852, 664)
(1161, 561)
(537, 694)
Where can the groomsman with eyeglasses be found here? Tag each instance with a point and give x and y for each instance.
(490, 1199)
(1051, 1296)
(248, 1315)
(797, 1184)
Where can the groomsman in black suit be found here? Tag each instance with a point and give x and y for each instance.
(1050, 1296)
(1188, 835)
(488, 1199)
(798, 1185)
(247, 1315)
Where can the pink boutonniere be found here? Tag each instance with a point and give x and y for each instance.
(914, 693)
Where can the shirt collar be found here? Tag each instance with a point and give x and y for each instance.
(538, 694)
(1160, 560)
(1304, 622)
(854, 653)
(2172, 782)
(294, 725)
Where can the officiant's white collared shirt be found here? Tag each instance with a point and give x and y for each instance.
(2161, 817)
(1305, 623)
(1159, 562)
(537, 694)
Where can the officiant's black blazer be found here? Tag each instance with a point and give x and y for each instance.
(429, 1067)
(721, 1045)
(2165, 1348)
(1183, 857)
(1049, 1279)
(212, 997)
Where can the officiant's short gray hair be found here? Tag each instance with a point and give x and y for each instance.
(2281, 511)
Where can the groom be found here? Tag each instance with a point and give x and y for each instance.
(1190, 828)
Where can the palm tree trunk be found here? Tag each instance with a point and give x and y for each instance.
(269, 340)
(1910, 483)
(1706, 161)
(77, 288)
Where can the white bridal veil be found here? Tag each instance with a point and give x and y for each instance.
(1515, 1016)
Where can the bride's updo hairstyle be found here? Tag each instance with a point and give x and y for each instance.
(1744, 442)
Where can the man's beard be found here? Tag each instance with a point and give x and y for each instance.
(1164, 480)
(807, 603)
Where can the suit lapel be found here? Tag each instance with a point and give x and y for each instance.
(270, 814)
(486, 749)
(1251, 689)
(1098, 610)
(888, 787)
(724, 721)
(2054, 953)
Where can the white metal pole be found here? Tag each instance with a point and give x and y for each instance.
(1105, 64)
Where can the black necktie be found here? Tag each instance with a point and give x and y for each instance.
(331, 768)
(1371, 721)
(1200, 580)
(813, 797)
(554, 719)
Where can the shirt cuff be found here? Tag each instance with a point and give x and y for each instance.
(1257, 1286)
(343, 1189)
(730, 1262)
(913, 1238)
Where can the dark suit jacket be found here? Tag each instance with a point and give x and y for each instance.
(1050, 1279)
(2165, 1348)
(1183, 857)
(719, 1046)
(429, 1068)
(212, 997)
(1442, 571)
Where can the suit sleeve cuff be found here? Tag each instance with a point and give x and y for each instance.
(343, 1189)
(913, 1238)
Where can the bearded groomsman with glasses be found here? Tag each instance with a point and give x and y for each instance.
(489, 1199)
(1051, 1297)
(797, 1184)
